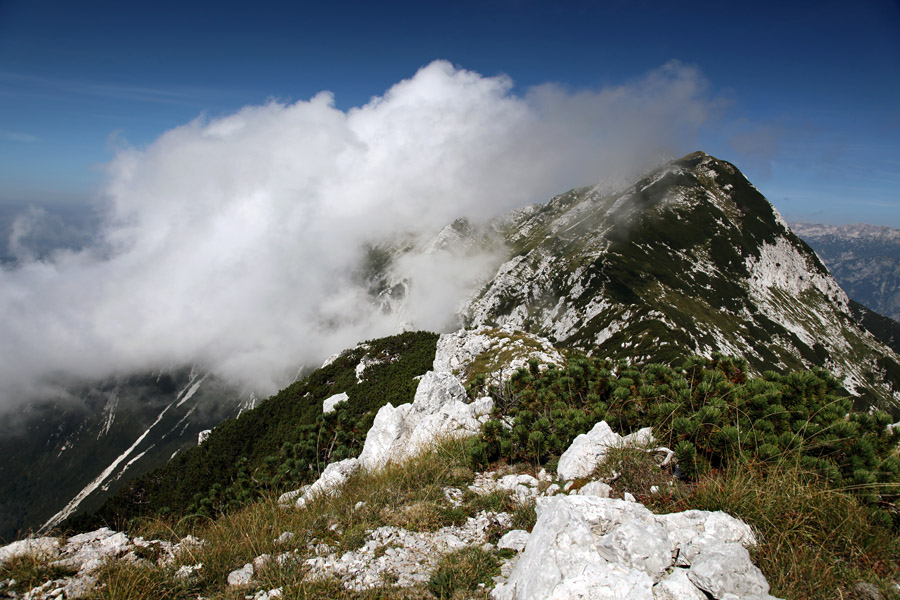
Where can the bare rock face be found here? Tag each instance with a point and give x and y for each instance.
(725, 568)
(440, 409)
(42, 547)
(593, 547)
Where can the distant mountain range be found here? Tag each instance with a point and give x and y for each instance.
(864, 259)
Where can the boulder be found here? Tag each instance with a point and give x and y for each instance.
(438, 410)
(241, 576)
(329, 404)
(587, 451)
(593, 547)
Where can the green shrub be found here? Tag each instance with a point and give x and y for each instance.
(707, 409)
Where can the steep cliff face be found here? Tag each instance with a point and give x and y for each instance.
(690, 259)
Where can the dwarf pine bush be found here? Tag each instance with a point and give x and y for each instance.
(707, 409)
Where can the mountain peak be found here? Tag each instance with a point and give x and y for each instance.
(691, 258)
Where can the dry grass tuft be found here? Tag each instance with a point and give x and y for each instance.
(815, 541)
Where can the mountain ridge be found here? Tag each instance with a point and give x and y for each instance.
(690, 259)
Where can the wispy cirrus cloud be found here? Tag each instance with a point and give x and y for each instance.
(35, 85)
(18, 136)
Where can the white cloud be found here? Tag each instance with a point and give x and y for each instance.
(232, 242)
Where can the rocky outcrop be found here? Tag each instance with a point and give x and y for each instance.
(592, 547)
(588, 450)
(406, 557)
(584, 544)
(501, 352)
(440, 409)
(334, 476)
(84, 553)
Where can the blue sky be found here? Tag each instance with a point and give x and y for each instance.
(808, 93)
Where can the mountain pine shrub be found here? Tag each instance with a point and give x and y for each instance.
(709, 410)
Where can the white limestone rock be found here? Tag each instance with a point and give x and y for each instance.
(593, 547)
(595, 488)
(43, 547)
(438, 410)
(561, 546)
(483, 408)
(187, 571)
(329, 481)
(515, 539)
(677, 586)
(406, 557)
(641, 546)
(203, 436)
(522, 487)
(726, 568)
(86, 552)
(267, 594)
(329, 404)
(604, 582)
(642, 438)
(507, 351)
(692, 530)
(285, 537)
(291, 497)
(587, 451)
(242, 576)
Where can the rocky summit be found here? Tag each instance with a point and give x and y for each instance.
(691, 258)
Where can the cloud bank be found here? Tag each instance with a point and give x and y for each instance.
(233, 242)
